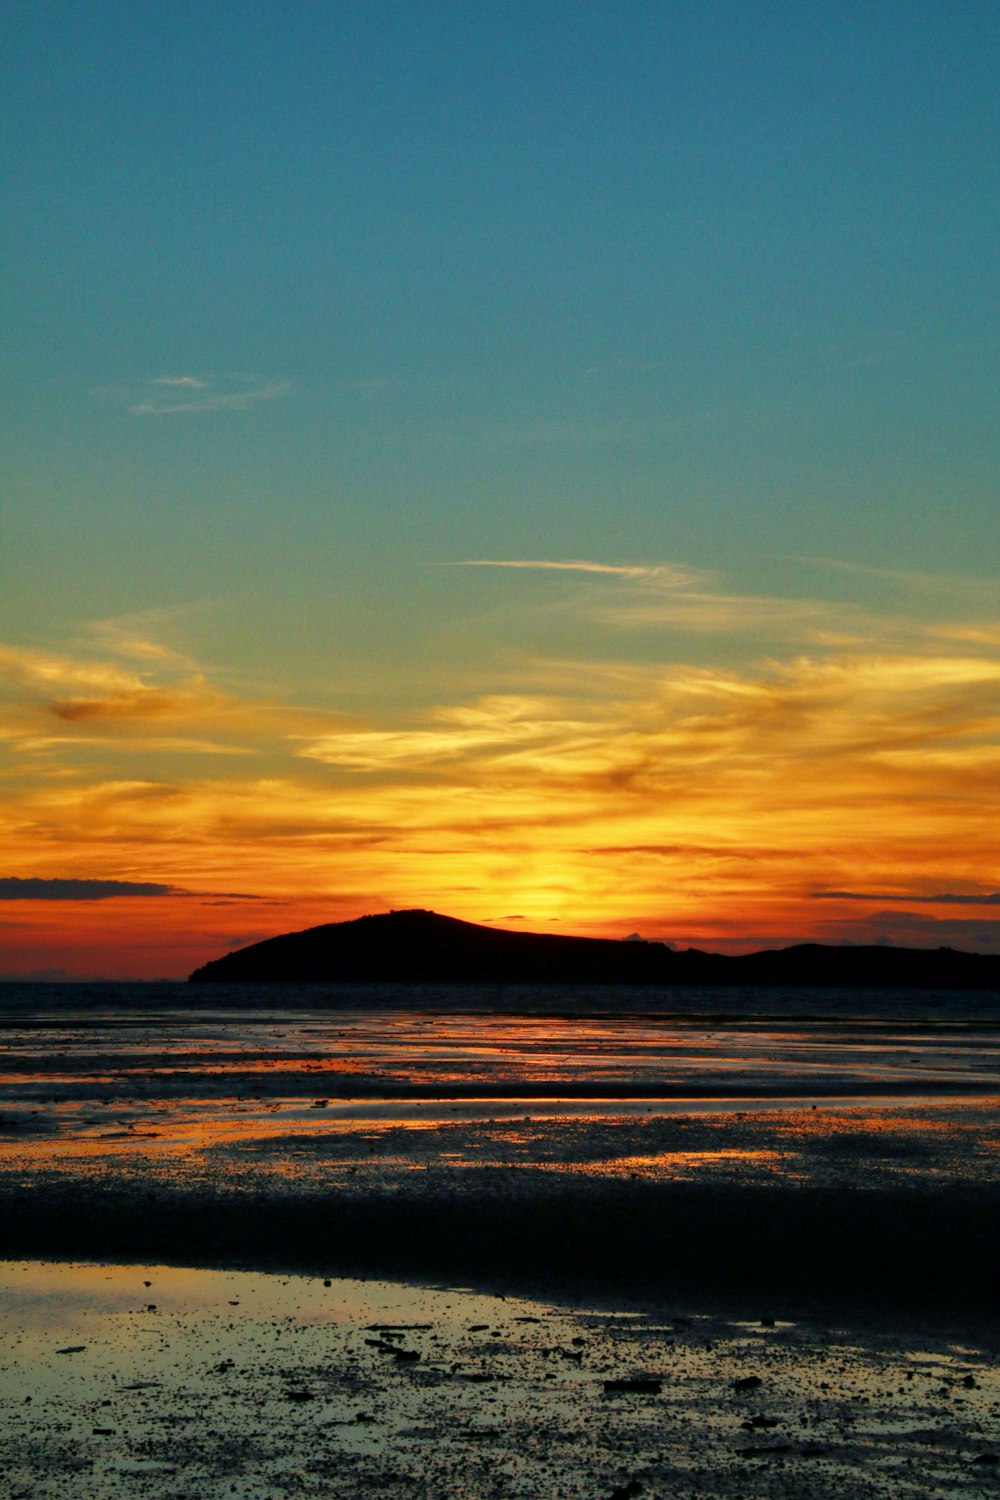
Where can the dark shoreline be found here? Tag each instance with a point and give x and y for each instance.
(908, 1251)
(119, 1002)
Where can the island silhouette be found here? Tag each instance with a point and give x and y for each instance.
(418, 947)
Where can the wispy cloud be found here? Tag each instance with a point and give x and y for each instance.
(968, 590)
(671, 596)
(75, 690)
(675, 598)
(135, 637)
(73, 888)
(136, 692)
(213, 400)
(184, 395)
(498, 724)
(671, 574)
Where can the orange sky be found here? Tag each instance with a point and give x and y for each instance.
(837, 777)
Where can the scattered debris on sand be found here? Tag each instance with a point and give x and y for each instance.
(272, 1386)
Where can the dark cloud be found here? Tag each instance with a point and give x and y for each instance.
(941, 898)
(13, 888)
(39, 976)
(229, 898)
(917, 929)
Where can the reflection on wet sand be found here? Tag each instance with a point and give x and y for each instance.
(398, 1054)
(149, 1381)
(180, 1141)
(432, 1142)
(297, 1098)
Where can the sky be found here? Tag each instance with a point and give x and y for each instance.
(535, 461)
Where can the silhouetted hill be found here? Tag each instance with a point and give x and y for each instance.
(422, 947)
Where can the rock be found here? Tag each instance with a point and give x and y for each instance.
(639, 1386)
(747, 1383)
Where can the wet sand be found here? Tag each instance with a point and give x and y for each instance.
(842, 1183)
(158, 1382)
(801, 1163)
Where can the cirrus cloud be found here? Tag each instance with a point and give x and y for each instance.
(186, 395)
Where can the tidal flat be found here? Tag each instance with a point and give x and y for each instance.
(548, 1203)
(801, 1159)
(153, 1381)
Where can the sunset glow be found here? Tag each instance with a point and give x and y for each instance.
(536, 467)
(851, 792)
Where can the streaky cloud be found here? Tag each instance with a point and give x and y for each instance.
(210, 400)
(666, 573)
(911, 579)
(938, 898)
(66, 888)
(14, 888)
(182, 395)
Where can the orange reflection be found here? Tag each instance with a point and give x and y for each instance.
(675, 1163)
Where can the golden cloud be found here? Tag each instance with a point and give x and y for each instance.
(686, 800)
(117, 699)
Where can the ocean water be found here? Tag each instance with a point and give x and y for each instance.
(731, 1002)
(88, 1042)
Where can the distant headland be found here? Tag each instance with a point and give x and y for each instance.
(422, 947)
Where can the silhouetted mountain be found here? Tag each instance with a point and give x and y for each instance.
(421, 947)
